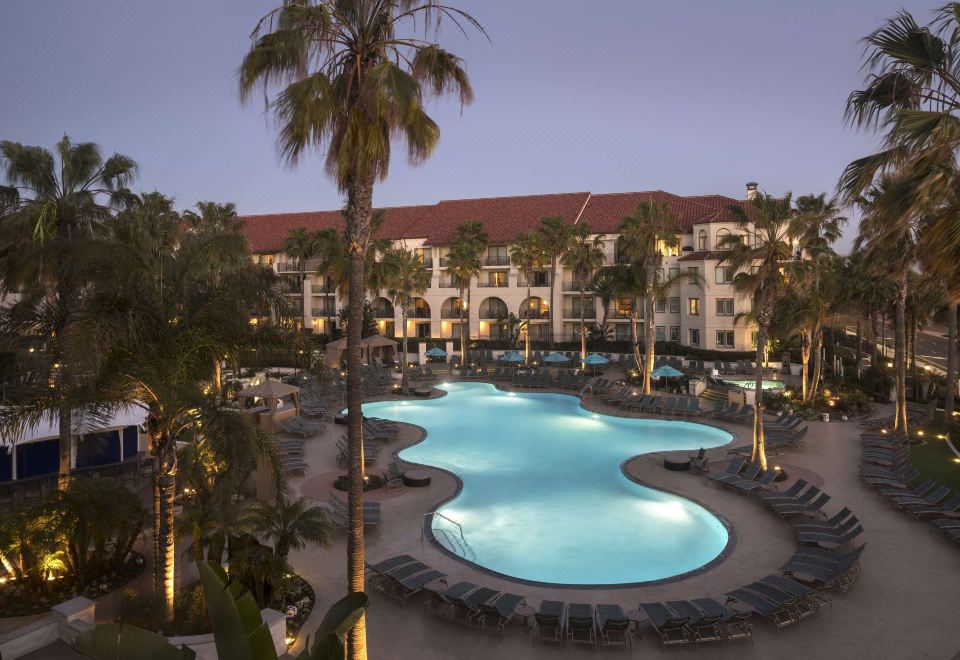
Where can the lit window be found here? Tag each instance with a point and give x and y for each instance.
(693, 306)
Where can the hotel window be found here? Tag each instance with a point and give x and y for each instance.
(497, 255)
(724, 274)
(673, 271)
(702, 240)
(622, 332)
(693, 306)
(724, 338)
(694, 337)
(661, 306)
(675, 333)
(724, 306)
(497, 278)
(693, 272)
(539, 278)
(723, 240)
(661, 333)
(675, 305)
(753, 338)
(424, 256)
(623, 307)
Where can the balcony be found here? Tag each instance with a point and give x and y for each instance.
(447, 285)
(493, 284)
(294, 266)
(497, 260)
(535, 315)
(321, 290)
(575, 313)
(418, 314)
(493, 314)
(427, 263)
(444, 262)
(452, 314)
(323, 311)
(539, 280)
(574, 286)
(382, 312)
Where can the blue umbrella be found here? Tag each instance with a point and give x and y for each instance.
(436, 352)
(666, 370)
(595, 358)
(512, 356)
(556, 357)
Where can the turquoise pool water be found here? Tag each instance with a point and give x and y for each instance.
(543, 495)
(750, 384)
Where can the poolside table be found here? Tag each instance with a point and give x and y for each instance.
(416, 478)
(677, 462)
(637, 617)
(525, 612)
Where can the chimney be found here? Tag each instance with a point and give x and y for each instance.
(752, 189)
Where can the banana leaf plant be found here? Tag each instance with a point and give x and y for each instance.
(115, 641)
(328, 641)
(238, 629)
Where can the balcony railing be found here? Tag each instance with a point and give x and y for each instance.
(321, 289)
(323, 311)
(294, 266)
(542, 280)
(493, 284)
(427, 263)
(534, 315)
(574, 286)
(447, 285)
(575, 313)
(493, 314)
(418, 314)
(382, 312)
(452, 314)
(497, 260)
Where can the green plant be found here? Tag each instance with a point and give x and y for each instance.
(328, 641)
(238, 629)
(109, 641)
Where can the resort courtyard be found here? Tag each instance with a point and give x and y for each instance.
(901, 605)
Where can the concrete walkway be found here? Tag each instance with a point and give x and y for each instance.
(904, 606)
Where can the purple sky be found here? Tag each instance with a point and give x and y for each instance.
(690, 97)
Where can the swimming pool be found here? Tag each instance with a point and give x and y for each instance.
(751, 384)
(544, 498)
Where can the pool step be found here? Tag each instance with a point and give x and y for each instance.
(714, 394)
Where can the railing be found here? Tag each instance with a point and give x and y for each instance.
(575, 313)
(452, 314)
(493, 284)
(382, 313)
(497, 260)
(573, 286)
(418, 314)
(437, 513)
(321, 289)
(444, 261)
(427, 263)
(535, 282)
(447, 285)
(323, 311)
(294, 266)
(534, 315)
(493, 314)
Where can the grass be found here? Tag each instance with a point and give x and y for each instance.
(934, 459)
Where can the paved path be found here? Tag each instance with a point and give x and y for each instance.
(904, 606)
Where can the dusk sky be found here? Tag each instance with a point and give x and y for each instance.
(601, 95)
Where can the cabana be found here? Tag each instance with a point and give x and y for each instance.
(372, 346)
(272, 401)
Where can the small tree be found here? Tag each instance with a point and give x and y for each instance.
(584, 257)
(529, 256)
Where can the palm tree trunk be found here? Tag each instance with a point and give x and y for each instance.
(948, 402)
(583, 330)
(759, 454)
(883, 336)
(805, 361)
(859, 348)
(526, 355)
(900, 358)
(872, 337)
(463, 334)
(651, 347)
(303, 298)
(553, 281)
(634, 336)
(164, 544)
(65, 442)
(359, 214)
(913, 354)
(403, 362)
(817, 361)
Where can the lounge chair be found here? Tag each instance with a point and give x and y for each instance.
(799, 607)
(733, 623)
(791, 496)
(704, 628)
(779, 614)
(788, 509)
(381, 568)
(498, 614)
(581, 624)
(814, 598)
(809, 524)
(442, 602)
(404, 588)
(469, 606)
(919, 491)
(766, 479)
(548, 622)
(749, 474)
(671, 628)
(613, 626)
(933, 498)
(390, 577)
(950, 506)
(733, 469)
(830, 539)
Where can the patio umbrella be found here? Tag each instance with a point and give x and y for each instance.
(666, 371)
(512, 356)
(556, 357)
(595, 359)
(436, 352)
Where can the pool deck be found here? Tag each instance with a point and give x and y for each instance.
(904, 606)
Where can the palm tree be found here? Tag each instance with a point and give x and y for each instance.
(52, 203)
(152, 314)
(463, 262)
(645, 234)
(555, 239)
(605, 287)
(409, 278)
(584, 257)
(356, 75)
(760, 275)
(290, 524)
(301, 246)
(529, 256)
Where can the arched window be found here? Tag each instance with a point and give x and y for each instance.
(493, 309)
(702, 240)
(451, 308)
(382, 308)
(419, 309)
(534, 307)
(723, 240)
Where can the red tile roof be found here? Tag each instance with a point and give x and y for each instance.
(502, 217)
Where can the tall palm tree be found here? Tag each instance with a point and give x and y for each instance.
(53, 202)
(356, 73)
(301, 246)
(529, 255)
(584, 256)
(290, 524)
(759, 268)
(645, 234)
(463, 262)
(555, 239)
(150, 318)
(408, 279)
(605, 287)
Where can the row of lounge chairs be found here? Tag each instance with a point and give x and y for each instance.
(824, 557)
(917, 413)
(738, 413)
(781, 433)
(885, 465)
(375, 431)
(418, 373)
(337, 512)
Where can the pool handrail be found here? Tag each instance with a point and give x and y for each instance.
(437, 513)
